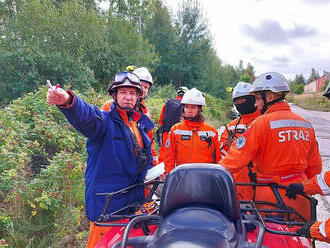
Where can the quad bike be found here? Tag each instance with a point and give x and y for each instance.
(120, 219)
(199, 208)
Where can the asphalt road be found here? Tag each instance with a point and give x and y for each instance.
(321, 123)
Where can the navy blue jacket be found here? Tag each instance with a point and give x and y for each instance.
(111, 163)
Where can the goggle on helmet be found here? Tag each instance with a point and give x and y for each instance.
(125, 79)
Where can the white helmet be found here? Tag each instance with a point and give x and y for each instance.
(193, 96)
(144, 75)
(241, 89)
(271, 81)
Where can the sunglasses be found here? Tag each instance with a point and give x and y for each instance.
(122, 76)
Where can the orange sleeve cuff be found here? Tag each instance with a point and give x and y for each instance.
(106, 106)
(311, 187)
(315, 232)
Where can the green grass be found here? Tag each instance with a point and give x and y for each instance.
(312, 102)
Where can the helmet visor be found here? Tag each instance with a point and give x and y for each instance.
(122, 76)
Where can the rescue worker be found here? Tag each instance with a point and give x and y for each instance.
(118, 148)
(191, 140)
(280, 143)
(245, 105)
(320, 184)
(146, 83)
(170, 115)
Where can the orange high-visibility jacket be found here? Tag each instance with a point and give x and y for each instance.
(238, 127)
(283, 149)
(281, 145)
(319, 184)
(106, 107)
(191, 142)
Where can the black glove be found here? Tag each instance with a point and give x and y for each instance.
(293, 189)
(304, 231)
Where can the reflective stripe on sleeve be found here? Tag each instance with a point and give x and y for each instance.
(323, 185)
(290, 123)
(206, 133)
(183, 132)
(322, 229)
(220, 131)
(223, 152)
(240, 126)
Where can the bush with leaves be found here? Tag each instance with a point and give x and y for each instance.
(41, 174)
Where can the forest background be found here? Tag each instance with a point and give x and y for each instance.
(81, 46)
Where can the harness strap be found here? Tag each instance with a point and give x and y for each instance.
(253, 178)
(141, 153)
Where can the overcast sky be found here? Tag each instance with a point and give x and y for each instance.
(286, 36)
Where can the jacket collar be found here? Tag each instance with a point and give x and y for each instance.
(250, 117)
(192, 124)
(278, 106)
(120, 115)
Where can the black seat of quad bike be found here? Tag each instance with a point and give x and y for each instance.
(200, 184)
(198, 227)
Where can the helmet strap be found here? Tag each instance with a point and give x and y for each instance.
(267, 104)
(265, 107)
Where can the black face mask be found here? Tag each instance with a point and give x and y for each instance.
(248, 106)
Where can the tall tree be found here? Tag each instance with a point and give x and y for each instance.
(250, 71)
(65, 43)
(240, 69)
(161, 33)
(297, 85)
(299, 79)
(313, 76)
(192, 45)
(245, 74)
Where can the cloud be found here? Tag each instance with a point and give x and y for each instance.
(271, 32)
(281, 61)
(248, 49)
(289, 66)
(274, 62)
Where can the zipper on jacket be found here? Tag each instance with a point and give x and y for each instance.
(192, 143)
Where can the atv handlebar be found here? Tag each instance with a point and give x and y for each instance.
(280, 207)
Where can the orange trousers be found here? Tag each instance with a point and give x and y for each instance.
(243, 192)
(96, 233)
(265, 194)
